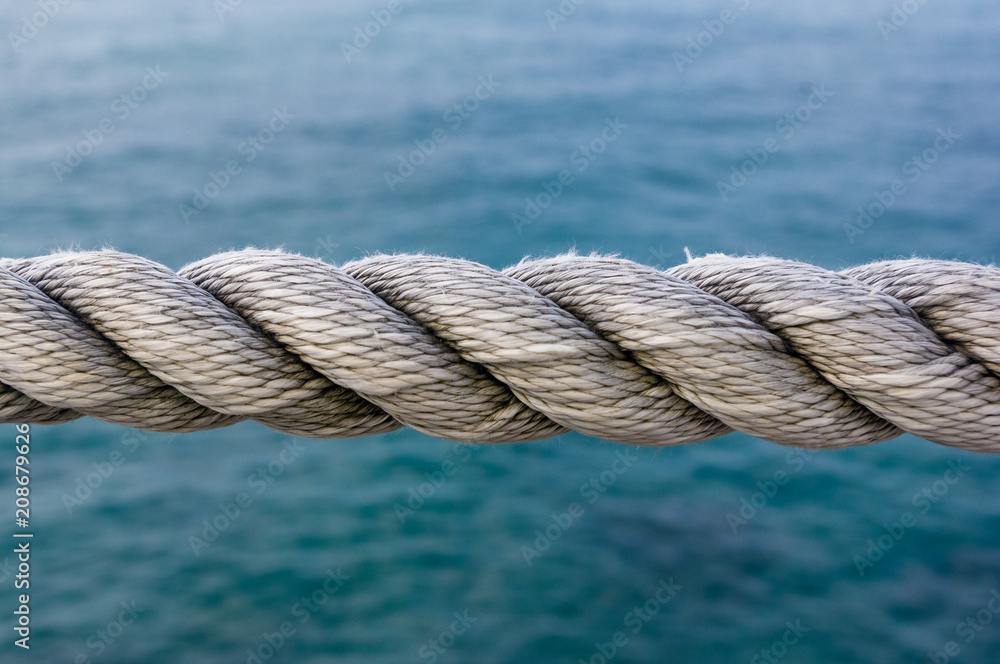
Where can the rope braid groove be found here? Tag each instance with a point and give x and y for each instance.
(779, 349)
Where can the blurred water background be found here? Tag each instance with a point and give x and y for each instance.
(115, 117)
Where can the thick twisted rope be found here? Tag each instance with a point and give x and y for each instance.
(782, 350)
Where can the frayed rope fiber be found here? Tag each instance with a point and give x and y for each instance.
(783, 350)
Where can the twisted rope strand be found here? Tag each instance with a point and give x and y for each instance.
(782, 350)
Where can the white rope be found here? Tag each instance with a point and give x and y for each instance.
(782, 350)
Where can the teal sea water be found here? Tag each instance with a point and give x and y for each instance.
(175, 130)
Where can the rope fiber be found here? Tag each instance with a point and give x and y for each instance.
(779, 349)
